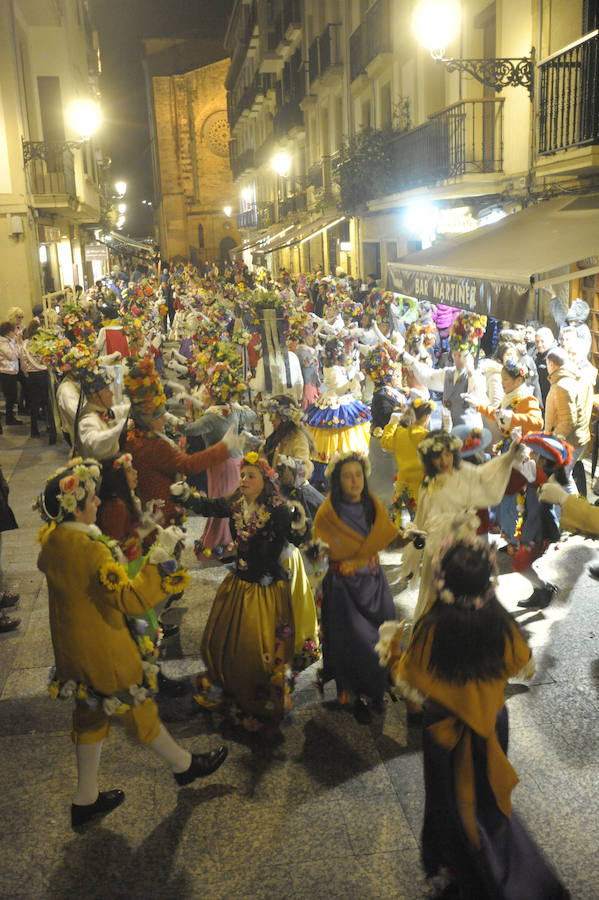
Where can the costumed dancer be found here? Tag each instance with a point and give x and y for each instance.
(301, 340)
(528, 524)
(402, 437)
(97, 662)
(451, 492)
(387, 399)
(459, 659)
(100, 423)
(221, 387)
(460, 379)
(355, 526)
(157, 459)
(338, 421)
(248, 642)
(518, 407)
(278, 370)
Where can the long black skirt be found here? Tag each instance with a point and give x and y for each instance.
(508, 865)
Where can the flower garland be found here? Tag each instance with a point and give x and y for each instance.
(353, 456)
(143, 385)
(78, 479)
(112, 704)
(438, 442)
(467, 329)
(468, 601)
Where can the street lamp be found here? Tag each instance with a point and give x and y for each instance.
(122, 208)
(227, 210)
(121, 188)
(84, 118)
(436, 23)
(281, 163)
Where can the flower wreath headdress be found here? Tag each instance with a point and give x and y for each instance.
(436, 443)
(76, 480)
(465, 600)
(273, 407)
(347, 456)
(254, 459)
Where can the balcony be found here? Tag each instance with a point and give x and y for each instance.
(288, 117)
(357, 53)
(290, 206)
(242, 163)
(569, 97)
(50, 172)
(465, 138)
(248, 219)
(378, 32)
(314, 177)
(324, 55)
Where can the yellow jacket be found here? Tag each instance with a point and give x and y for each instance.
(92, 643)
(404, 443)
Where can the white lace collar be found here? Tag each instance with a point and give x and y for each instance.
(92, 530)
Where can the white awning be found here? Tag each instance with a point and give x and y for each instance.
(495, 269)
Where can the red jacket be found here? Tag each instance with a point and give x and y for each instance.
(159, 464)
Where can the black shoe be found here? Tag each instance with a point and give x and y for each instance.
(13, 421)
(540, 598)
(7, 600)
(169, 631)
(202, 764)
(362, 712)
(594, 572)
(8, 624)
(170, 686)
(106, 802)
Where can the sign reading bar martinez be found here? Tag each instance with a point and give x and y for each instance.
(502, 300)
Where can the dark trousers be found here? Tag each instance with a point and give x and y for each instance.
(39, 401)
(9, 389)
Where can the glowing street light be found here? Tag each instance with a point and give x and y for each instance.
(281, 163)
(120, 222)
(227, 210)
(121, 188)
(122, 208)
(84, 117)
(436, 23)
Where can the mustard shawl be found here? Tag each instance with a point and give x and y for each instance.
(347, 545)
(472, 707)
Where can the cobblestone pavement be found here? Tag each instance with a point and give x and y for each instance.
(334, 812)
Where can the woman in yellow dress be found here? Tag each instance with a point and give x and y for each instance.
(402, 437)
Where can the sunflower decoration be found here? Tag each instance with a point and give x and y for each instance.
(420, 335)
(176, 582)
(220, 369)
(113, 576)
(466, 331)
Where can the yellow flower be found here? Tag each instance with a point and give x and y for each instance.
(53, 689)
(113, 576)
(44, 532)
(252, 458)
(81, 692)
(175, 583)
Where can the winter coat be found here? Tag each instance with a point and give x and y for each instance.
(568, 406)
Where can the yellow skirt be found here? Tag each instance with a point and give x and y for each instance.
(306, 644)
(340, 440)
(248, 645)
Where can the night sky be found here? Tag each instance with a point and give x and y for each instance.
(124, 137)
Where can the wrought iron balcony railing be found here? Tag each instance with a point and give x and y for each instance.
(323, 52)
(50, 168)
(243, 161)
(465, 138)
(378, 30)
(569, 96)
(357, 52)
(288, 116)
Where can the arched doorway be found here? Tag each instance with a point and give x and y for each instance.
(226, 244)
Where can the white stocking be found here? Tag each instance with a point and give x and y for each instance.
(88, 761)
(168, 749)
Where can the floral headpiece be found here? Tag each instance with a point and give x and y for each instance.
(465, 600)
(335, 348)
(76, 326)
(254, 459)
(143, 386)
(300, 327)
(347, 456)
(49, 347)
(438, 442)
(466, 331)
(76, 359)
(69, 485)
(222, 370)
(124, 461)
(273, 407)
(350, 309)
(420, 334)
(378, 365)
(516, 369)
(382, 308)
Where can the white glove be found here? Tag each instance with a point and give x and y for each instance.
(164, 548)
(112, 358)
(517, 452)
(180, 490)
(471, 400)
(250, 441)
(407, 358)
(395, 418)
(177, 367)
(156, 341)
(552, 492)
(233, 442)
(446, 423)
(503, 417)
(175, 421)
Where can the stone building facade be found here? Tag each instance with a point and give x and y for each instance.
(193, 178)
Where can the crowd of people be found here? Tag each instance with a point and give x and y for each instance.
(314, 421)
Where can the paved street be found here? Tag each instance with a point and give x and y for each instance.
(334, 812)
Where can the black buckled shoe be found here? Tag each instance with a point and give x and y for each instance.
(169, 631)
(202, 764)
(8, 599)
(106, 802)
(171, 687)
(594, 572)
(540, 598)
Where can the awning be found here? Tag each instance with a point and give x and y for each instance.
(119, 242)
(261, 243)
(306, 231)
(495, 269)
